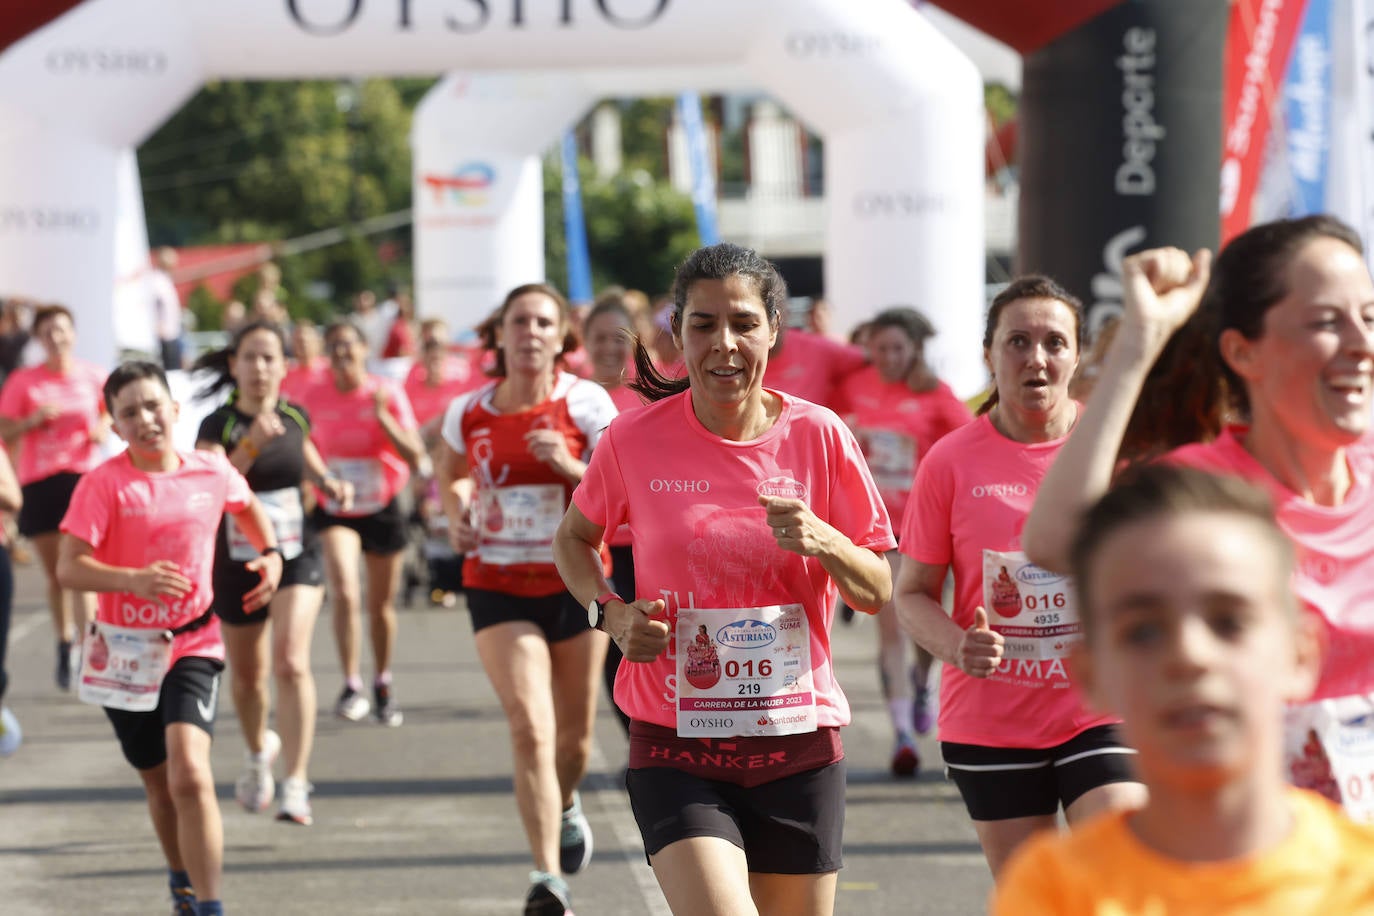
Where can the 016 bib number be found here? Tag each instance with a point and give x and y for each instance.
(123, 667)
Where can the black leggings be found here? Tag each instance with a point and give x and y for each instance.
(6, 600)
(623, 578)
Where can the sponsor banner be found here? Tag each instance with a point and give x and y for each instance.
(574, 226)
(1307, 110)
(1119, 118)
(1351, 174)
(703, 181)
(1258, 41)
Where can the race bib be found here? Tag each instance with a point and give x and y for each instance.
(123, 668)
(1033, 608)
(1329, 748)
(744, 672)
(517, 524)
(891, 458)
(284, 508)
(369, 486)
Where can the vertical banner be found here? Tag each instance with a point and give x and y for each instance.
(575, 226)
(1258, 41)
(1307, 109)
(1351, 175)
(703, 182)
(1119, 121)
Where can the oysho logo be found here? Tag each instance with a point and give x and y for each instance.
(711, 722)
(829, 45)
(783, 488)
(663, 485)
(999, 489)
(746, 634)
(332, 17)
(21, 220)
(125, 61)
(876, 204)
(468, 186)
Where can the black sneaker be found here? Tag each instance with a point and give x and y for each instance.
(63, 675)
(548, 896)
(183, 901)
(384, 707)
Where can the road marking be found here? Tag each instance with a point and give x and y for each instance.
(616, 807)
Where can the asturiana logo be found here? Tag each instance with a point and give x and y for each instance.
(1034, 575)
(469, 184)
(746, 634)
(783, 488)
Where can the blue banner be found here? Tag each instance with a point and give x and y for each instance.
(1307, 109)
(574, 226)
(703, 179)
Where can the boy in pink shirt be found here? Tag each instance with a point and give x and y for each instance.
(140, 531)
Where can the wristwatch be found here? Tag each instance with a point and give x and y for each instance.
(273, 549)
(596, 609)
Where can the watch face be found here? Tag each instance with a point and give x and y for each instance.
(593, 613)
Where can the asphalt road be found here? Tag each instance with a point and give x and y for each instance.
(419, 819)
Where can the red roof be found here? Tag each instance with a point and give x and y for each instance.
(217, 267)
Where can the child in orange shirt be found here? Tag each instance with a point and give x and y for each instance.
(1192, 635)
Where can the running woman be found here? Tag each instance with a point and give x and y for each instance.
(514, 449)
(1283, 344)
(367, 434)
(898, 410)
(749, 509)
(267, 439)
(141, 532)
(610, 338)
(308, 365)
(11, 498)
(1016, 737)
(437, 377)
(55, 411)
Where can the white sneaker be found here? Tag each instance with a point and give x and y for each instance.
(352, 705)
(295, 802)
(11, 735)
(256, 788)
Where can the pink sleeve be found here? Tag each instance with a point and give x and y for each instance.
(600, 496)
(955, 413)
(847, 359)
(12, 399)
(857, 510)
(400, 408)
(88, 513)
(237, 494)
(926, 524)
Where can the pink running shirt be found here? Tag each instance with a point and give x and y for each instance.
(691, 500)
(63, 443)
(1335, 562)
(889, 418)
(344, 427)
(132, 517)
(299, 378)
(973, 492)
(429, 401)
(624, 398)
(812, 367)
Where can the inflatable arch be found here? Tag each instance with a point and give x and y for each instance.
(899, 108)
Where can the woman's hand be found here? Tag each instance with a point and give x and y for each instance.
(158, 580)
(638, 628)
(980, 650)
(266, 427)
(796, 528)
(551, 447)
(1161, 289)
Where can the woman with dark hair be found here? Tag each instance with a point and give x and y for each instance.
(367, 434)
(749, 510)
(898, 409)
(1287, 324)
(513, 451)
(1016, 739)
(267, 440)
(55, 410)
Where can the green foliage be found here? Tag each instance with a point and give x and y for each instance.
(1001, 102)
(263, 161)
(638, 229)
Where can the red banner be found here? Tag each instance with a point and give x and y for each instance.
(1258, 42)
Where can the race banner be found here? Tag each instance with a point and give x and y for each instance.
(1307, 110)
(575, 226)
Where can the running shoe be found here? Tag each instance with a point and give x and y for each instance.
(11, 735)
(923, 714)
(352, 705)
(548, 896)
(295, 801)
(574, 839)
(906, 760)
(63, 675)
(385, 708)
(183, 901)
(256, 788)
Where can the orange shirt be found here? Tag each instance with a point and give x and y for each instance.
(1325, 866)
